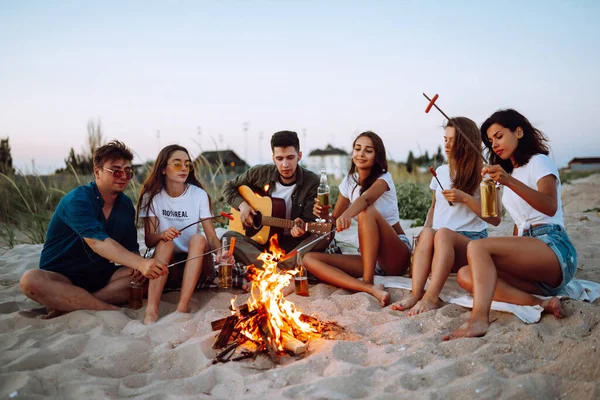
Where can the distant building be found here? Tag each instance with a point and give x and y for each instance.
(585, 164)
(335, 161)
(220, 161)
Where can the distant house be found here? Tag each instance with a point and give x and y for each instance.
(585, 164)
(222, 159)
(335, 161)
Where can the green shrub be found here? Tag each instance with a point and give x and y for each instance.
(414, 200)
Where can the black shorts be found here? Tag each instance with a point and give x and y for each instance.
(92, 279)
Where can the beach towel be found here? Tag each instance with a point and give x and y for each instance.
(577, 289)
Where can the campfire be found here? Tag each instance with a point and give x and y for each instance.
(268, 323)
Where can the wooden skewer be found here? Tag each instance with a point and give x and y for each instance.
(223, 214)
(438, 181)
(192, 258)
(294, 252)
(432, 102)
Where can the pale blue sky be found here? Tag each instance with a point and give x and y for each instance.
(332, 68)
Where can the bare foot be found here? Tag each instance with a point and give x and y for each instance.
(54, 313)
(552, 306)
(406, 303)
(150, 317)
(470, 329)
(184, 308)
(381, 295)
(424, 305)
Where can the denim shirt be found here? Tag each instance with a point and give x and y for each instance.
(79, 215)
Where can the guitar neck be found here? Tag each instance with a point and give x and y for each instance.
(278, 222)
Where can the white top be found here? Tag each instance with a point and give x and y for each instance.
(285, 192)
(178, 212)
(458, 217)
(386, 204)
(522, 213)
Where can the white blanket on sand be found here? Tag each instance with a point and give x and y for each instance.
(452, 293)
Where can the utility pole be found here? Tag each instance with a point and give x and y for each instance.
(158, 139)
(303, 137)
(246, 142)
(260, 138)
(199, 131)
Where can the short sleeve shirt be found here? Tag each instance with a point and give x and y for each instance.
(178, 212)
(522, 213)
(386, 204)
(79, 215)
(458, 216)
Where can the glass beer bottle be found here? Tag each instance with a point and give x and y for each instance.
(487, 190)
(323, 190)
(301, 278)
(225, 270)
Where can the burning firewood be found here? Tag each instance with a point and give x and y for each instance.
(268, 320)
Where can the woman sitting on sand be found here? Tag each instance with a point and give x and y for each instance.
(449, 228)
(171, 198)
(369, 195)
(541, 260)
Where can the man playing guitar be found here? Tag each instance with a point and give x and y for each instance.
(285, 180)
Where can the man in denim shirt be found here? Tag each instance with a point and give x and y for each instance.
(92, 228)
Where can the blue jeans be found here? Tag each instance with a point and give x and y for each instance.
(557, 239)
(474, 235)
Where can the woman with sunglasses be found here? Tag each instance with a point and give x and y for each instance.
(172, 198)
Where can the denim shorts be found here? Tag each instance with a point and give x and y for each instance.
(474, 235)
(557, 239)
(378, 270)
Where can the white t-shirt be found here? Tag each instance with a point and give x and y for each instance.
(178, 212)
(458, 217)
(284, 192)
(386, 204)
(522, 213)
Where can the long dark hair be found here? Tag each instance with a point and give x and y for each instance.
(533, 140)
(465, 163)
(380, 165)
(156, 180)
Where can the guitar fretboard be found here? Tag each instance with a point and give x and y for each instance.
(278, 222)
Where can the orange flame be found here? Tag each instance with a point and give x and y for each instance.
(267, 293)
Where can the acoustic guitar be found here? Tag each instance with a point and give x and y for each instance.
(269, 218)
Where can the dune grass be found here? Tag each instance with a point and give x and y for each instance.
(27, 201)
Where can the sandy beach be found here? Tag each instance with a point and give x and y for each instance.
(382, 354)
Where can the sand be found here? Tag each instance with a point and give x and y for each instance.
(383, 354)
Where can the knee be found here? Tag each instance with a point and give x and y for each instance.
(475, 247)
(442, 235)
(197, 242)
(309, 259)
(363, 215)
(464, 278)
(30, 282)
(165, 245)
(427, 234)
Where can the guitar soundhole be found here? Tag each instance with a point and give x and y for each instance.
(256, 225)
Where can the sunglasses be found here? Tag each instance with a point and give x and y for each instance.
(118, 173)
(178, 165)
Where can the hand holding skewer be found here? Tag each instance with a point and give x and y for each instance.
(436, 178)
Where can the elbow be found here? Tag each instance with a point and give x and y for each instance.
(495, 221)
(93, 243)
(551, 210)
